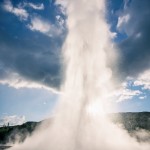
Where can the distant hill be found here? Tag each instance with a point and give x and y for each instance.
(19, 132)
(130, 121)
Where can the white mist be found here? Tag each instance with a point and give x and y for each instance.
(80, 122)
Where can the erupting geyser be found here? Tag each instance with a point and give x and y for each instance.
(80, 122)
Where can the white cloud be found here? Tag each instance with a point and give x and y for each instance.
(16, 81)
(126, 2)
(62, 4)
(113, 35)
(60, 21)
(40, 25)
(34, 6)
(143, 80)
(126, 94)
(37, 24)
(142, 97)
(17, 11)
(122, 20)
(12, 120)
(125, 91)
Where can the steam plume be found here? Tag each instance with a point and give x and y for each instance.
(81, 123)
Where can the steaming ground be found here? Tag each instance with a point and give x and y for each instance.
(80, 122)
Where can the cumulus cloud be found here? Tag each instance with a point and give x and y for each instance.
(127, 90)
(36, 23)
(12, 120)
(135, 49)
(127, 94)
(61, 23)
(37, 61)
(142, 97)
(60, 20)
(17, 11)
(27, 57)
(62, 5)
(143, 80)
(40, 25)
(16, 81)
(34, 6)
(122, 20)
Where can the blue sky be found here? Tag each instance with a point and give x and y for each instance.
(31, 36)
